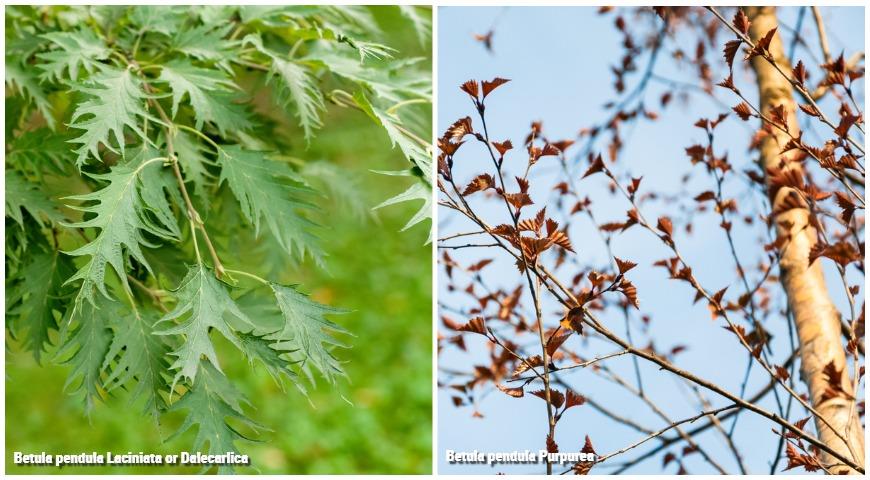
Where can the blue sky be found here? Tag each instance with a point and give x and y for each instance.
(558, 61)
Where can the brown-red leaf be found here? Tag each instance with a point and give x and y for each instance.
(624, 265)
(515, 392)
(799, 72)
(479, 183)
(596, 166)
(470, 87)
(741, 22)
(743, 111)
(459, 129)
(630, 291)
(730, 51)
(518, 200)
(665, 226)
(573, 399)
(705, 196)
(556, 397)
(842, 252)
(573, 320)
(503, 147)
(762, 45)
(552, 447)
(475, 325)
(492, 85)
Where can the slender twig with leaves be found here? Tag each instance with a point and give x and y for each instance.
(549, 330)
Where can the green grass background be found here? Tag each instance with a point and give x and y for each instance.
(382, 275)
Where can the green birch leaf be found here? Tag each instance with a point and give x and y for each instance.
(34, 297)
(24, 81)
(22, 196)
(413, 151)
(115, 101)
(392, 82)
(20, 42)
(88, 346)
(155, 185)
(79, 49)
(305, 328)
(136, 359)
(106, 18)
(358, 17)
(258, 348)
(160, 19)
(184, 78)
(229, 114)
(298, 86)
(270, 191)
(319, 23)
(39, 151)
(371, 50)
(203, 302)
(122, 217)
(210, 95)
(205, 43)
(418, 191)
(209, 404)
(216, 14)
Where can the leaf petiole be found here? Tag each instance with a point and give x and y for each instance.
(200, 134)
(249, 275)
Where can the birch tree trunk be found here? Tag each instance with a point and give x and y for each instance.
(816, 319)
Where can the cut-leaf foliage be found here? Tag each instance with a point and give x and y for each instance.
(115, 103)
(85, 350)
(203, 303)
(210, 405)
(417, 191)
(137, 358)
(306, 328)
(210, 95)
(147, 145)
(123, 216)
(35, 298)
(23, 196)
(269, 191)
(79, 49)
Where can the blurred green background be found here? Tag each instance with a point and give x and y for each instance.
(381, 275)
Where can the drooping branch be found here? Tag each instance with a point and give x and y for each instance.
(190, 210)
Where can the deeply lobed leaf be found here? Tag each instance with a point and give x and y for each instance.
(271, 192)
(306, 328)
(115, 102)
(33, 297)
(124, 211)
(210, 94)
(203, 302)
(137, 358)
(209, 404)
(78, 49)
